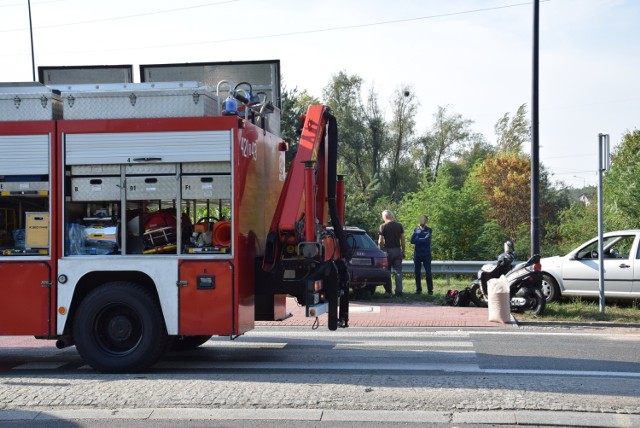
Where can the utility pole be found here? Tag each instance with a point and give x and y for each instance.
(603, 165)
(535, 137)
(33, 56)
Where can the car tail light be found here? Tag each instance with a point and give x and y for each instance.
(381, 262)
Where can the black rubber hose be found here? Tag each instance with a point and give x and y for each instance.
(332, 174)
(341, 275)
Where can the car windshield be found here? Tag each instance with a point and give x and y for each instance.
(361, 241)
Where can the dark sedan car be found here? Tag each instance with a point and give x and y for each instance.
(368, 267)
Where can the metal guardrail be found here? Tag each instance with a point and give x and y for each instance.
(448, 267)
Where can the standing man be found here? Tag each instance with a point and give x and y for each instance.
(421, 238)
(391, 240)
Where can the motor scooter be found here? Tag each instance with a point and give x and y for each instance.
(525, 285)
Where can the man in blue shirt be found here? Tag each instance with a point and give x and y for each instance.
(421, 238)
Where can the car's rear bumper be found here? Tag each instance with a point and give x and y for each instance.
(369, 276)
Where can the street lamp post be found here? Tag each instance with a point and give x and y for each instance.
(535, 140)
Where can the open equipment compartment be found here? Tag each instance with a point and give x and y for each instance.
(136, 179)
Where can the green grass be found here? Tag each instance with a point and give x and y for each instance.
(440, 288)
(587, 310)
(569, 309)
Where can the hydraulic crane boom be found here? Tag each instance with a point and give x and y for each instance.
(302, 256)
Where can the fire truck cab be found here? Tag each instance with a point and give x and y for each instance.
(140, 218)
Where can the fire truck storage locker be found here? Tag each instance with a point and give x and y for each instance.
(139, 188)
(95, 188)
(29, 101)
(206, 302)
(24, 182)
(148, 170)
(206, 186)
(25, 201)
(139, 100)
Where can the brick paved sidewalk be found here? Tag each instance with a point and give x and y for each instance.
(362, 314)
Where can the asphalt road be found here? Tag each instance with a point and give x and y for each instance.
(438, 376)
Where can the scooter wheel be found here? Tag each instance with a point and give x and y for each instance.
(477, 297)
(537, 307)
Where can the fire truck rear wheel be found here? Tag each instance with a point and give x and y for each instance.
(119, 328)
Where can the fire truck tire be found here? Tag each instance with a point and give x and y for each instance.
(119, 328)
(186, 343)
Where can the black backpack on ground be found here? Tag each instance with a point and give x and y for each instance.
(462, 298)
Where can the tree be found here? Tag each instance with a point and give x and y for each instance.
(294, 104)
(575, 224)
(464, 163)
(506, 179)
(377, 132)
(512, 133)
(402, 126)
(622, 184)
(457, 216)
(447, 137)
(356, 123)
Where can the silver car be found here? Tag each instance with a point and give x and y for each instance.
(576, 274)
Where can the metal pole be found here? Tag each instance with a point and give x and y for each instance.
(535, 137)
(603, 165)
(33, 56)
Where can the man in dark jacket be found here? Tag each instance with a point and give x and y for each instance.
(391, 241)
(421, 238)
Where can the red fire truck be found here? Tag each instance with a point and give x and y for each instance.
(140, 218)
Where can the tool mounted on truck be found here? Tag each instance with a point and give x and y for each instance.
(302, 257)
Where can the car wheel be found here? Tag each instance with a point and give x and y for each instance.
(550, 288)
(477, 297)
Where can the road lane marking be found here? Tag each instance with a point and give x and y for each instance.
(331, 366)
(470, 368)
(364, 309)
(415, 344)
(350, 334)
(339, 345)
(588, 373)
(234, 344)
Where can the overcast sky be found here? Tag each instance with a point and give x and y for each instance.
(473, 55)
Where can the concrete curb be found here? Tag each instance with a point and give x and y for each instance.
(570, 324)
(505, 417)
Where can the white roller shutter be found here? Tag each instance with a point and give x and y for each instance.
(24, 154)
(147, 147)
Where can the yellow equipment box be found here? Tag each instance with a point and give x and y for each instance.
(37, 230)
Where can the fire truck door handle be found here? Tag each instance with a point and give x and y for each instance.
(147, 159)
(181, 283)
(45, 284)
